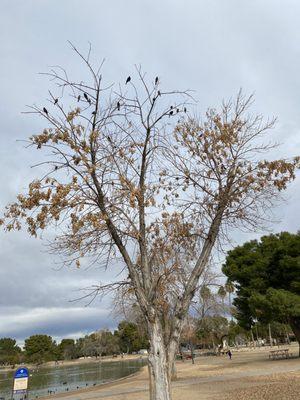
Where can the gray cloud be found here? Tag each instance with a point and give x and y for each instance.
(214, 47)
(19, 322)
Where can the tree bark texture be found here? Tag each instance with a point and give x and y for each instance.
(160, 364)
(295, 325)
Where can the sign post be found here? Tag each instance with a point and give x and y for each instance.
(20, 386)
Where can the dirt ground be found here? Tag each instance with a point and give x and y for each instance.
(250, 375)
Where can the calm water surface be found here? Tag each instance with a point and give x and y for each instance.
(72, 377)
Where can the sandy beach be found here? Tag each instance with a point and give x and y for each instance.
(250, 375)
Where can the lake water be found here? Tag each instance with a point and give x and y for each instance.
(70, 378)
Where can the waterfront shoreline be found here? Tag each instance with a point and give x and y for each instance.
(66, 363)
(61, 379)
(103, 385)
(250, 375)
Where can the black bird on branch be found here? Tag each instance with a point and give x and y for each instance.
(118, 105)
(55, 101)
(128, 80)
(156, 80)
(158, 92)
(86, 97)
(78, 98)
(170, 113)
(184, 109)
(94, 113)
(45, 110)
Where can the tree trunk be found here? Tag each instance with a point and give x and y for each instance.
(270, 335)
(295, 325)
(151, 381)
(172, 351)
(192, 353)
(287, 336)
(160, 364)
(252, 337)
(174, 371)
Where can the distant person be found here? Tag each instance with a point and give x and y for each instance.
(229, 354)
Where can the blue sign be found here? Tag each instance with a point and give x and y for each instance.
(21, 373)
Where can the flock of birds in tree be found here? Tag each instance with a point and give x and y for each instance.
(118, 103)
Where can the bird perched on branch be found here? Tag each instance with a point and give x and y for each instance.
(184, 109)
(78, 98)
(45, 110)
(128, 80)
(86, 96)
(94, 113)
(55, 101)
(156, 80)
(118, 105)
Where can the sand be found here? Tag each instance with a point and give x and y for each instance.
(250, 375)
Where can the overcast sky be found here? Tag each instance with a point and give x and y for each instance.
(212, 46)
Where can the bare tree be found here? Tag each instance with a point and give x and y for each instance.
(207, 303)
(104, 342)
(189, 336)
(208, 306)
(130, 174)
